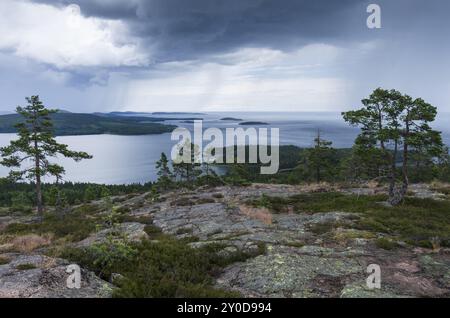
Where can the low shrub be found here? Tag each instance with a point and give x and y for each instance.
(385, 243)
(139, 219)
(182, 202)
(30, 242)
(416, 221)
(152, 229)
(73, 226)
(166, 268)
(205, 200)
(25, 267)
(184, 231)
(4, 260)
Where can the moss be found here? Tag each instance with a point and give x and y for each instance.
(385, 243)
(25, 267)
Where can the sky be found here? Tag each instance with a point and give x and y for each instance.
(220, 55)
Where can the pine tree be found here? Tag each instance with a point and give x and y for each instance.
(187, 168)
(320, 158)
(394, 124)
(35, 145)
(165, 175)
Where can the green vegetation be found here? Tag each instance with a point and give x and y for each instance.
(67, 124)
(321, 159)
(385, 243)
(25, 267)
(417, 221)
(185, 166)
(348, 168)
(4, 261)
(163, 268)
(20, 197)
(36, 144)
(396, 146)
(389, 121)
(165, 175)
(159, 267)
(73, 227)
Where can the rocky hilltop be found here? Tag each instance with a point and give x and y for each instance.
(305, 253)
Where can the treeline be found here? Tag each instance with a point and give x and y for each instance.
(306, 165)
(66, 124)
(22, 196)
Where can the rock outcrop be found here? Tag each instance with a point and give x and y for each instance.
(306, 254)
(39, 276)
(298, 262)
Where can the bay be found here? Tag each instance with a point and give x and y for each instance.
(131, 159)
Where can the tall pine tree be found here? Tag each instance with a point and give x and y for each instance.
(165, 175)
(398, 126)
(35, 145)
(320, 158)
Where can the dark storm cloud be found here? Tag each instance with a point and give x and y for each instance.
(111, 9)
(410, 52)
(190, 29)
(180, 29)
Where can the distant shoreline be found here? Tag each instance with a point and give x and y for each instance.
(254, 123)
(78, 124)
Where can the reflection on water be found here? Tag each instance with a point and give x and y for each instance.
(117, 159)
(129, 159)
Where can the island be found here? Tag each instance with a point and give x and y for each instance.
(67, 124)
(176, 113)
(230, 119)
(253, 123)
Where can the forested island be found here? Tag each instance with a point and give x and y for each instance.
(230, 119)
(253, 123)
(66, 123)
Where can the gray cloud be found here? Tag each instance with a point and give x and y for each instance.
(410, 52)
(189, 29)
(182, 29)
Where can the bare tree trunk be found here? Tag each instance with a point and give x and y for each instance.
(40, 208)
(398, 196)
(393, 168)
(405, 162)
